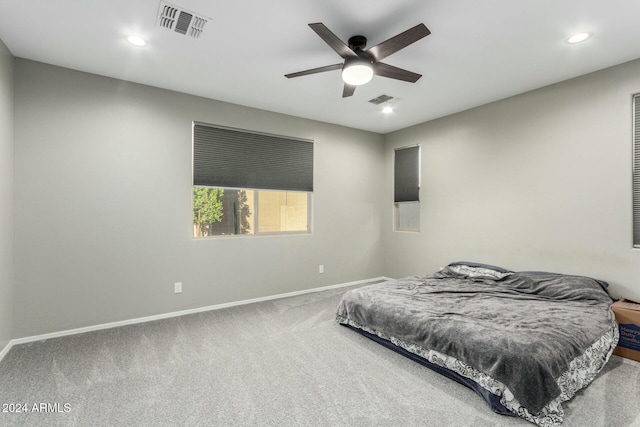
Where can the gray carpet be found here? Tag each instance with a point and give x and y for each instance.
(281, 363)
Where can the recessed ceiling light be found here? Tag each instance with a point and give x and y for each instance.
(136, 40)
(578, 37)
(388, 109)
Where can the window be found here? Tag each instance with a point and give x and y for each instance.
(250, 183)
(636, 171)
(227, 211)
(408, 216)
(406, 184)
(282, 211)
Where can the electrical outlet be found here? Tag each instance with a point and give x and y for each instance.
(177, 287)
(321, 269)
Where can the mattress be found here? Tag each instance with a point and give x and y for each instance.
(531, 339)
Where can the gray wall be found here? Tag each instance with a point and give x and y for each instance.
(103, 195)
(103, 216)
(6, 195)
(538, 181)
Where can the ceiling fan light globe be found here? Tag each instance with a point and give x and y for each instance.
(357, 73)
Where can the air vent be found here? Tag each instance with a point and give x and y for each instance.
(181, 20)
(381, 99)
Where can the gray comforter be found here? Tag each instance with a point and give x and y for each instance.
(523, 330)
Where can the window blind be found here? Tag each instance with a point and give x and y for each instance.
(233, 158)
(407, 174)
(636, 170)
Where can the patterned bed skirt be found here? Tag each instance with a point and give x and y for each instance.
(582, 370)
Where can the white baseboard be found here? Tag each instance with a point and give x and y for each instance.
(175, 314)
(5, 350)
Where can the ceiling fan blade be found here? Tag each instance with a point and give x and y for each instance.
(332, 40)
(386, 70)
(314, 71)
(402, 40)
(348, 90)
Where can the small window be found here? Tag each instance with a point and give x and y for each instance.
(406, 173)
(636, 170)
(407, 216)
(250, 183)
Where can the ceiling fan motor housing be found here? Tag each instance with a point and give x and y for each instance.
(358, 42)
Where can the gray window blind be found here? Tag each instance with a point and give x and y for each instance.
(407, 174)
(636, 170)
(224, 157)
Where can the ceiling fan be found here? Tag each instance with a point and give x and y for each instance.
(361, 65)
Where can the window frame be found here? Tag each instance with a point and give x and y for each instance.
(397, 204)
(306, 168)
(397, 220)
(255, 232)
(280, 233)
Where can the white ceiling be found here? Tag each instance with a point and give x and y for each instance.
(478, 52)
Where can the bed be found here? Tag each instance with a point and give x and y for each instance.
(525, 341)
